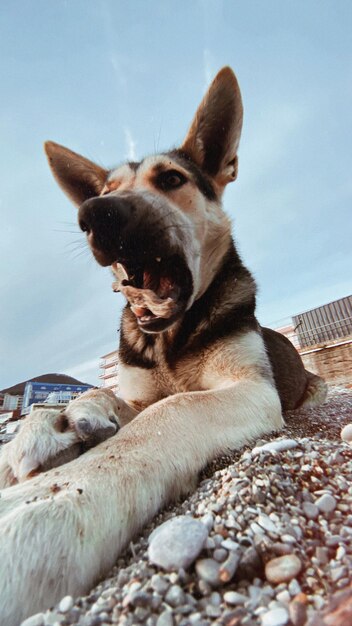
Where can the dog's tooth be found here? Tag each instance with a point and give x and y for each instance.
(158, 259)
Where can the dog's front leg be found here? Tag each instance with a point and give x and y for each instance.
(63, 530)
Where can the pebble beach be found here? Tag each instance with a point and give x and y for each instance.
(265, 540)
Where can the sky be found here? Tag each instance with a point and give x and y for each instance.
(118, 79)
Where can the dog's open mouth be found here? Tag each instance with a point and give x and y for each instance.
(157, 292)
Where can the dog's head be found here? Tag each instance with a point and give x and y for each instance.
(159, 222)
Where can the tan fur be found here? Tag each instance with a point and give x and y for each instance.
(209, 225)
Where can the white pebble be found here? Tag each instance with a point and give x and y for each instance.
(294, 587)
(265, 522)
(278, 445)
(346, 434)
(229, 544)
(34, 620)
(288, 538)
(66, 604)
(283, 568)
(275, 617)
(284, 597)
(326, 503)
(208, 521)
(165, 619)
(233, 597)
(177, 542)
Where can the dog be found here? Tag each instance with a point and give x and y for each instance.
(197, 373)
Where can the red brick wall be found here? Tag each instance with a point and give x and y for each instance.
(333, 363)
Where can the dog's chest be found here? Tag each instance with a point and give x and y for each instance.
(182, 376)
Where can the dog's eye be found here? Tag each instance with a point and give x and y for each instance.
(170, 180)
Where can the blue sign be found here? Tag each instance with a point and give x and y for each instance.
(38, 392)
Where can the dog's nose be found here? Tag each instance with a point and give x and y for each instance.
(104, 214)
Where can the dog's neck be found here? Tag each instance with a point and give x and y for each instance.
(226, 307)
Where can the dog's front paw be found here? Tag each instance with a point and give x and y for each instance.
(46, 439)
(94, 416)
(49, 438)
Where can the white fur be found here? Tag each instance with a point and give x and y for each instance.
(39, 439)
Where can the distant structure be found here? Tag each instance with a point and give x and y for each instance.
(9, 402)
(12, 398)
(323, 337)
(109, 376)
(36, 393)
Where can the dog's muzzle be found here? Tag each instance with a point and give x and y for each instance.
(132, 235)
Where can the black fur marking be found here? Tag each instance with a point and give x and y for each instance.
(134, 165)
(129, 355)
(218, 323)
(201, 180)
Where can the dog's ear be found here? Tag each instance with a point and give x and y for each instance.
(79, 178)
(213, 138)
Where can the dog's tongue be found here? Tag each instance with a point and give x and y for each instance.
(142, 301)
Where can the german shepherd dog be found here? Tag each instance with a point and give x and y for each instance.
(198, 375)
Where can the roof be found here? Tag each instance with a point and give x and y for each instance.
(18, 389)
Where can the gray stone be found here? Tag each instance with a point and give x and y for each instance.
(165, 619)
(209, 571)
(175, 596)
(333, 541)
(233, 597)
(215, 598)
(229, 544)
(34, 620)
(177, 542)
(322, 554)
(310, 510)
(212, 611)
(66, 604)
(139, 598)
(283, 568)
(159, 583)
(286, 538)
(294, 587)
(337, 573)
(208, 521)
(265, 522)
(220, 554)
(326, 503)
(229, 567)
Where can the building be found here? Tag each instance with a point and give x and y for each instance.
(109, 376)
(38, 393)
(325, 324)
(9, 402)
(12, 398)
(323, 337)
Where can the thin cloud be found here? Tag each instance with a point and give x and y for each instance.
(131, 144)
(87, 371)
